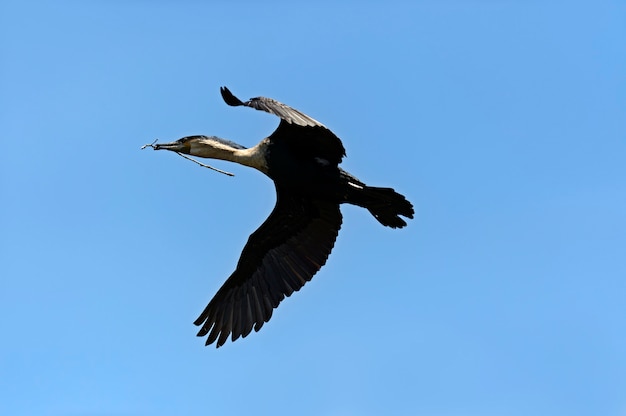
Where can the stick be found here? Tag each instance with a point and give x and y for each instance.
(206, 166)
(149, 145)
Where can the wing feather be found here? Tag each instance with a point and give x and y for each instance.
(278, 259)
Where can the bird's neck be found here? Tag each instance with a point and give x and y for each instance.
(253, 156)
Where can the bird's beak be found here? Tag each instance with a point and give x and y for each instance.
(176, 146)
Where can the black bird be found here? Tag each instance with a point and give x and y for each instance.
(301, 156)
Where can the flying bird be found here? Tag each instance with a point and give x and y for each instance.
(302, 157)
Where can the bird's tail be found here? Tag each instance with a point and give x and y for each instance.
(385, 204)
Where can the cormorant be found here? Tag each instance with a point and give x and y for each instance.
(301, 156)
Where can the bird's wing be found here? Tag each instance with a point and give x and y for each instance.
(269, 105)
(279, 258)
(296, 129)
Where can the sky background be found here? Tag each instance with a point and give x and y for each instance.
(502, 121)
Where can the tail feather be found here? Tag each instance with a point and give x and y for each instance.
(385, 204)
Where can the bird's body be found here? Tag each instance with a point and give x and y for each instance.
(302, 158)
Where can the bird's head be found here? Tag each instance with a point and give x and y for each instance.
(214, 148)
(202, 146)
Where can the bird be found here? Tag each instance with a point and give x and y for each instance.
(302, 158)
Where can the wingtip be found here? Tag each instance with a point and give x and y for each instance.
(229, 98)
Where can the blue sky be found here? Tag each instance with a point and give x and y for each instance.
(503, 122)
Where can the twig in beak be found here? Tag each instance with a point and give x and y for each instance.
(149, 145)
(188, 158)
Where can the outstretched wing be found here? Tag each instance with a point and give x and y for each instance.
(269, 105)
(279, 258)
(296, 130)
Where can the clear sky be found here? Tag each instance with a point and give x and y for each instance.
(502, 121)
